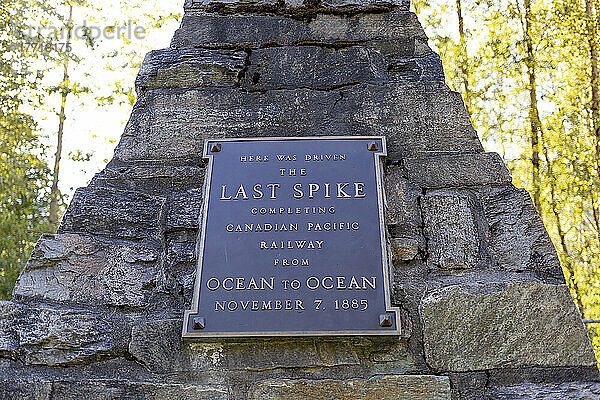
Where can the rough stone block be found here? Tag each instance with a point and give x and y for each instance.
(100, 390)
(186, 68)
(10, 313)
(457, 170)
(61, 337)
(562, 391)
(114, 213)
(518, 239)
(154, 179)
(358, 4)
(13, 390)
(404, 249)
(414, 118)
(81, 269)
(402, 201)
(207, 30)
(184, 209)
(181, 246)
(452, 239)
(313, 67)
(400, 387)
(425, 67)
(206, 4)
(337, 4)
(158, 345)
(520, 324)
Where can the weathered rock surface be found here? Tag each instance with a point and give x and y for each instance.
(565, 391)
(191, 68)
(383, 31)
(518, 238)
(415, 118)
(114, 213)
(479, 327)
(405, 387)
(450, 229)
(79, 269)
(99, 390)
(43, 335)
(457, 170)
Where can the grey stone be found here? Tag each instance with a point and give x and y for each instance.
(423, 68)
(357, 4)
(99, 390)
(323, 68)
(49, 336)
(457, 170)
(400, 387)
(10, 313)
(340, 4)
(184, 209)
(385, 31)
(154, 179)
(404, 249)
(20, 390)
(158, 345)
(169, 68)
(561, 391)
(206, 4)
(402, 200)
(469, 328)
(518, 239)
(114, 213)
(314, 67)
(414, 118)
(79, 269)
(181, 246)
(452, 240)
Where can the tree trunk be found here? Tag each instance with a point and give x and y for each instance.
(534, 116)
(464, 58)
(591, 25)
(54, 193)
(566, 261)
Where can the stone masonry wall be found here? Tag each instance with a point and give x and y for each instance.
(486, 313)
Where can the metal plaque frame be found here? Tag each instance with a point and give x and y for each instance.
(379, 155)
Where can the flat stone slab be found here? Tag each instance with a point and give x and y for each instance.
(413, 117)
(563, 391)
(109, 390)
(457, 170)
(518, 239)
(398, 387)
(208, 30)
(450, 228)
(158, 345)
(514, 325)
(42, 335)
(81, 269)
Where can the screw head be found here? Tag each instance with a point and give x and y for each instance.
(215, 148)
(372, 146)
(199, 323)
(386, 320)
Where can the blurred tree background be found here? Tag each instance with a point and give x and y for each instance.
(528, 71)
(56, 59)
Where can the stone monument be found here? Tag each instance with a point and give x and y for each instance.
(475, 286)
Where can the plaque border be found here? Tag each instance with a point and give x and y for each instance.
(381, 202)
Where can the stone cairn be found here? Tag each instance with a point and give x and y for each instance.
(486, 314)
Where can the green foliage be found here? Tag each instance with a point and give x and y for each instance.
(24, 175)
(562, 36)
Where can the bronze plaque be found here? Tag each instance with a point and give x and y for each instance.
(293, 240)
